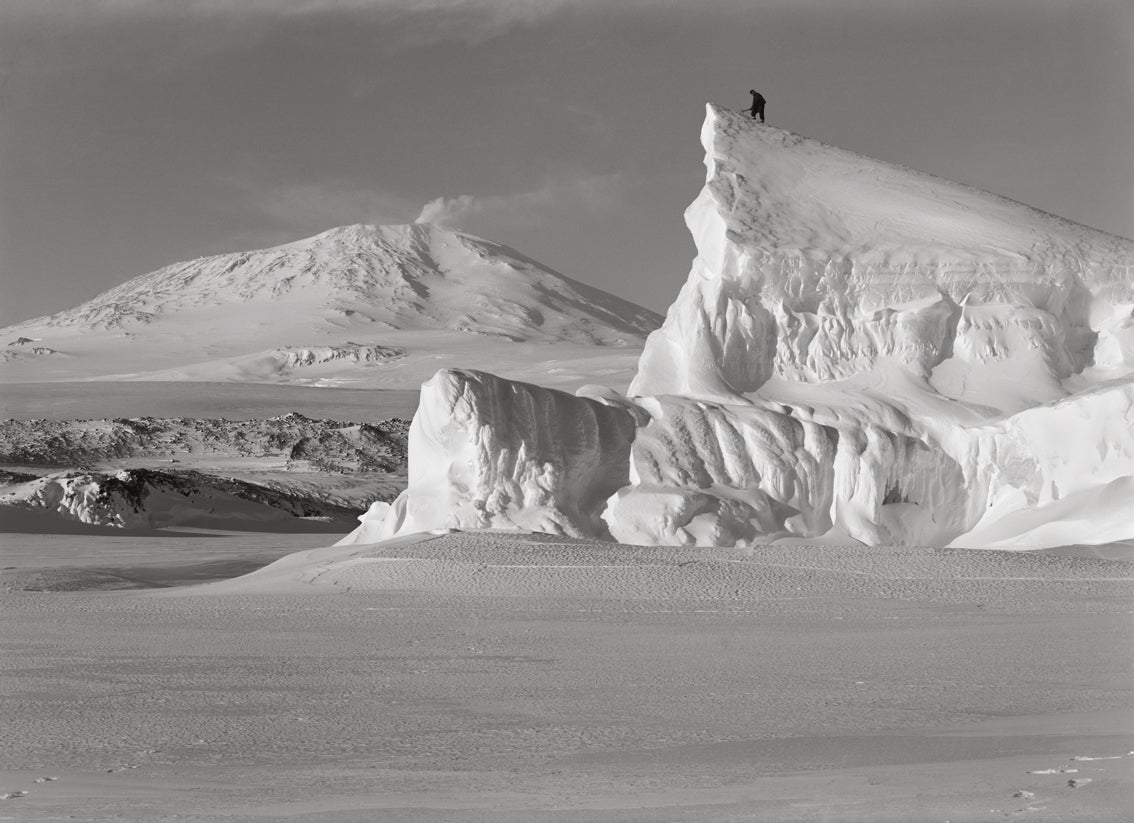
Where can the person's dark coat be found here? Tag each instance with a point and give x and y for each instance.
(758, 102)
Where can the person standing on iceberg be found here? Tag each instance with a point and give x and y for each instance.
(758, 102)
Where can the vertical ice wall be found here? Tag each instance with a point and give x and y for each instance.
(489, 453)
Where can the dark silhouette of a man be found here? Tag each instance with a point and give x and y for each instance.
(758, 102)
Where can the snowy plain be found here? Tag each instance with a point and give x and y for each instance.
(66, 400)
(484, 677)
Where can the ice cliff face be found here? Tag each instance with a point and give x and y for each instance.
(813, 263)
(718, 474)
(488, 453)
(861, 352)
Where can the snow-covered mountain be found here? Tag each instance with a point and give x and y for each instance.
(357, 304)
(861, 353)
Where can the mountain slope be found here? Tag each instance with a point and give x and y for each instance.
(349, 300)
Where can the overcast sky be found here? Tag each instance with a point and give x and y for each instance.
(135, 133)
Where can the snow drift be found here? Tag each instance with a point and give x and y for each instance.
(861, 352)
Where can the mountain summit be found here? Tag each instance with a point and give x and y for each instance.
(354, 294)
(399, 277)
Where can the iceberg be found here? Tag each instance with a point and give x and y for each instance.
(861, 352)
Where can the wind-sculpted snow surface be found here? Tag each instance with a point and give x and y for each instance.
(1059, 473)
(861, 353)
(719, 475)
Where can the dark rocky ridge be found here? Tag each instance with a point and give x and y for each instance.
(324, 445)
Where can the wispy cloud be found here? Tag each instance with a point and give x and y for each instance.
(322, 205)
(428, 22)
(419, 21)
(555, 199)
(513, 10)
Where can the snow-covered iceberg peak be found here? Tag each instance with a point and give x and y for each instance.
(813, 263)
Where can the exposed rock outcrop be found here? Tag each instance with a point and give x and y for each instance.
(146, 499)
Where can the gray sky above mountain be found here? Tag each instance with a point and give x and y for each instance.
(134, 133)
